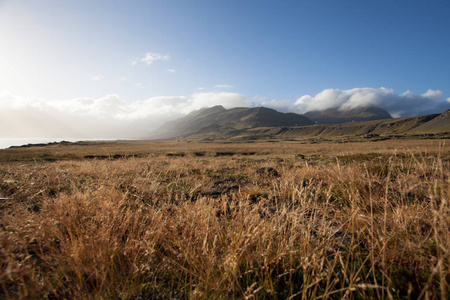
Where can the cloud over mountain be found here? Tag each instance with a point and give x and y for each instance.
(113, 117)
(398, 105)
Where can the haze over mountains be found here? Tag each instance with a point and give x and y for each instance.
(260, 122)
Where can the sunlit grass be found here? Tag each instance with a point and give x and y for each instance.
(367, 224)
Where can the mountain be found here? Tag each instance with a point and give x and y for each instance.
(385, 128)
(336, 116)
(265, 123)
(220, 122)
(440, 123)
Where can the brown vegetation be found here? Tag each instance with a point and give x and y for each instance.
(184, 220)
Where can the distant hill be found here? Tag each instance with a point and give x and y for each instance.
(265, 123)
(220, 122)
(336, 116)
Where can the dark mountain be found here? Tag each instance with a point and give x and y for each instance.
(220, 122)
(335, 116)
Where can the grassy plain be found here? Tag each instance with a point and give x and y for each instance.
(200, 220)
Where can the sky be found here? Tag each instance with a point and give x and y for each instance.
(120, 69)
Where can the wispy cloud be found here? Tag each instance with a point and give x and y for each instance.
(171, 70)
(223, 86)
(97, 77)
(280, 105)
(150, 57)
(228, 100)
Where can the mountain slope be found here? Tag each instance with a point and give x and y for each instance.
(218, 121)
(189, 124)
(440, 123)
(387, 127)
(336, 116)
(262, 123)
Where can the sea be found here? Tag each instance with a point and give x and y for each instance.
(8, 142)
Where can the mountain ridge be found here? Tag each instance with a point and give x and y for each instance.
(338, 116)
(260, 122)
(219, 121)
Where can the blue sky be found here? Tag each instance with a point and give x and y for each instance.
(137, 60)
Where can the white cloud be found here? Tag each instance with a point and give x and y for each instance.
(105, 117)
(113, 117)
(223, 86)
(435, 95)
(150, 57)
(227, 100)
(171, 70)
(405, 104)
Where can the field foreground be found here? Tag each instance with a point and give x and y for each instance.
(166, 220)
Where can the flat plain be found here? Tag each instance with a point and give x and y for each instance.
(273, 219)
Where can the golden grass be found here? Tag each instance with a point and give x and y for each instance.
(341, 222)
(264, 148)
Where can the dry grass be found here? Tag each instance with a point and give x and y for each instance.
(373, 223)
(263, 149)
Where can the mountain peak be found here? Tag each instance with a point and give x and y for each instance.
(207, 111)
(218, 121)
(215, 108)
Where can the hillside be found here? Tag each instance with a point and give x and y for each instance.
(389, 127)
(220, 122)
(441, 123)
(336, 116)
(262, 123)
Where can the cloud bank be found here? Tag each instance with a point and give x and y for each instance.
(398, 105)
(111, 117)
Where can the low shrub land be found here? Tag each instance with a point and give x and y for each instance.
(269, 220)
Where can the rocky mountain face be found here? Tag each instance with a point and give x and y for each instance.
(217, 120)
(336, 116)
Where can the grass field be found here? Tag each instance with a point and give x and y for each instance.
(219, 220)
